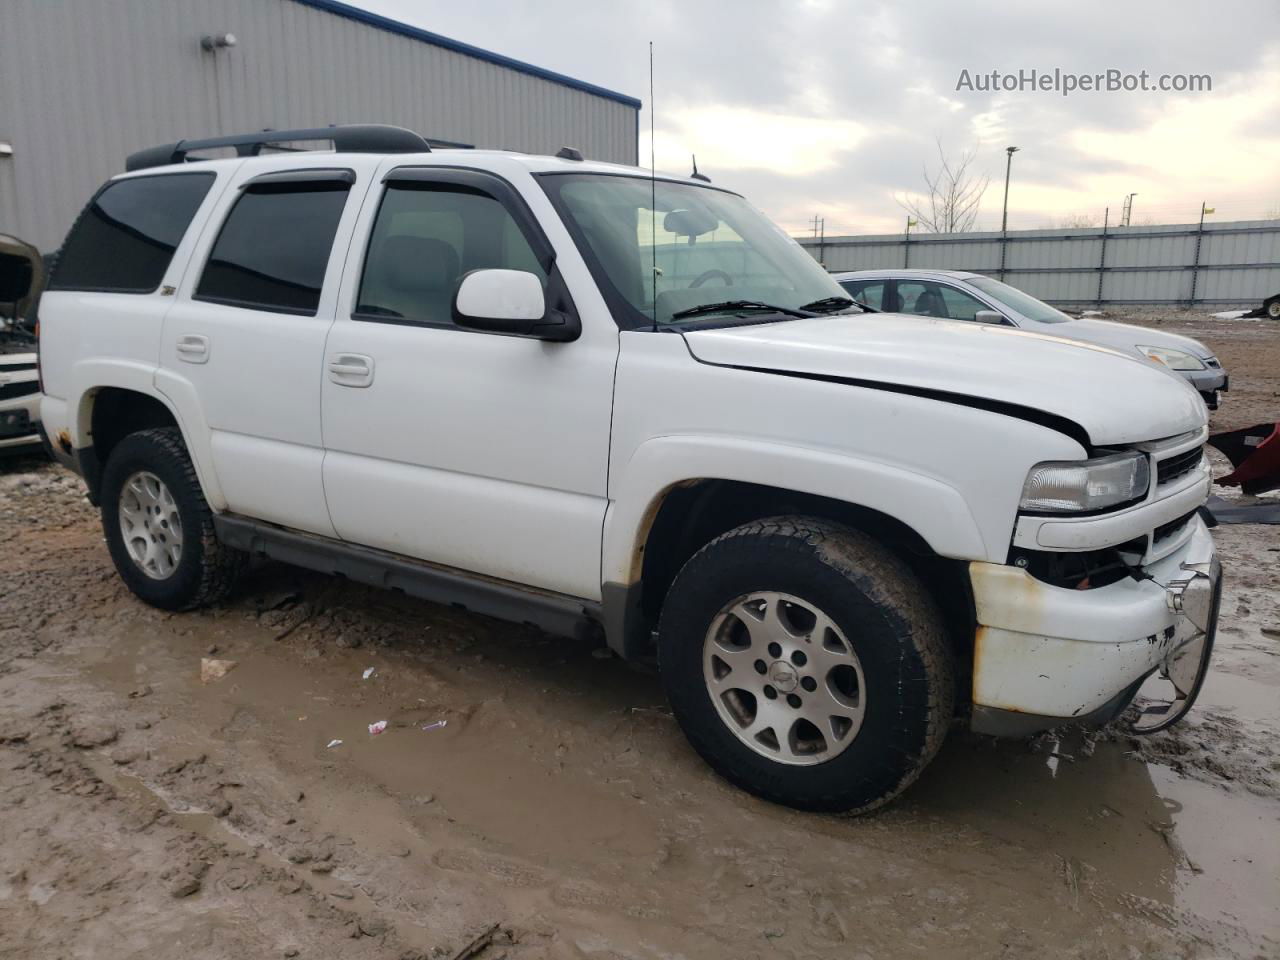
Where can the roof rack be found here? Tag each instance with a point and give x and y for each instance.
(350, 138)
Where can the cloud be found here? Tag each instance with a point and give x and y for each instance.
(740, 138)
(831, 108)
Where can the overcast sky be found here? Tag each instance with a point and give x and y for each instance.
(832, 107)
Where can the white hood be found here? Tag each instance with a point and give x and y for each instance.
(1114, 397)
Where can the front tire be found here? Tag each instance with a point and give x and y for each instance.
(857, 687)
(158, 526)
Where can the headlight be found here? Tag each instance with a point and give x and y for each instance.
(1173, 359)
(1076, 486)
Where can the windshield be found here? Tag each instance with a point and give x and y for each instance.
(1015, 299)
(671, 252)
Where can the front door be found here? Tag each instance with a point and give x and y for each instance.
(479, 451)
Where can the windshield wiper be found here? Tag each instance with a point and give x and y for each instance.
(727, 305)
(832, 304)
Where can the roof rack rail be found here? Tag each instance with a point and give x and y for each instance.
(350, 138)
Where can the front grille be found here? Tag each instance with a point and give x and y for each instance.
(16, 365)
(1079, 571)
(1179, 465)
(20, 389)
(1173, 527)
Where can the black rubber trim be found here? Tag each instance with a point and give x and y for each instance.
(555, 613)
(1062, 425)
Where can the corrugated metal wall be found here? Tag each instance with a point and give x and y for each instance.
(1238, 263)
(85, 82)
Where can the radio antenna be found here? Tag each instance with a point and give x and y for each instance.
(653, 197)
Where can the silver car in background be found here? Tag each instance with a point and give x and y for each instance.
(957, 295)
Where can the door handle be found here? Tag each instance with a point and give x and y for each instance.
(193, 348)
(351, 369)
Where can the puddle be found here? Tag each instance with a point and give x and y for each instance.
(1139, 828)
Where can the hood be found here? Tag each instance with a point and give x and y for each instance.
(1114, 397)
(1122, 336)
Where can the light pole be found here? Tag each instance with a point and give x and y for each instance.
(1128, 208)
(1008, 164)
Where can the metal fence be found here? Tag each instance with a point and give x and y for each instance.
(1188, 265)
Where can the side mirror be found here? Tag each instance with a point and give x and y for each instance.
(510, 302)
(988, 316)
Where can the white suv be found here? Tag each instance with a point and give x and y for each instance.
(564, 393)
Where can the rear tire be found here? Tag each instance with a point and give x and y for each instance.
(861, 691)
(158, 526)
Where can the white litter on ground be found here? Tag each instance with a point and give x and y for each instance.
(211, 670)
(377, 728)
(1229, 314)
(333, 743)
(438, 725)
(369, 672)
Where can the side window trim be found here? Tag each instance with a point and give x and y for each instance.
(304, 180)
(497, 188)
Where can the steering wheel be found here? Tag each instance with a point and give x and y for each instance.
(710, 275)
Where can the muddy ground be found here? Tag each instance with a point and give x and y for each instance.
(559, 813)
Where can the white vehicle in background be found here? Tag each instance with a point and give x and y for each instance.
(957, 295)
(21, 277)
(570, 394)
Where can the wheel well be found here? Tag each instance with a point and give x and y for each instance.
(115, 414)
(692, 515)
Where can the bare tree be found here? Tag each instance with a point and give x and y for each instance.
(954, 195)
(1076, 221)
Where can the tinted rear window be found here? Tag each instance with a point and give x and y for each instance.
(274, 248)
(125, 238)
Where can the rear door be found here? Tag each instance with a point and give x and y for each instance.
(247, 333)
(475, 450)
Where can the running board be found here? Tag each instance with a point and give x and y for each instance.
(555, 613)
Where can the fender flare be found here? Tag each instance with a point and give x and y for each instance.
(663, 463)
(94, 374)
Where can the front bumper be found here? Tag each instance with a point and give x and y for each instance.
(1049, 655)
(1207, 380)
(19, 422)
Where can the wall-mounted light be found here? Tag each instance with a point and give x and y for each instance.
(6, 149)
(217, 41)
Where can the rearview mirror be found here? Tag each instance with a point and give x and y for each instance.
(988, 316)
(510, 302)
(689, 223)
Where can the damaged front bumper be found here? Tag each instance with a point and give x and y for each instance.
(1047, 655)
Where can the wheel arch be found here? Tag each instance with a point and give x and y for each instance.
(107, 412)
(684, 516)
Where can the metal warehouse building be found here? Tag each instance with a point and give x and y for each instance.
(83, 83)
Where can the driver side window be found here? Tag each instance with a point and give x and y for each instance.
(961, 306)
(929, 299)
(426, 236)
